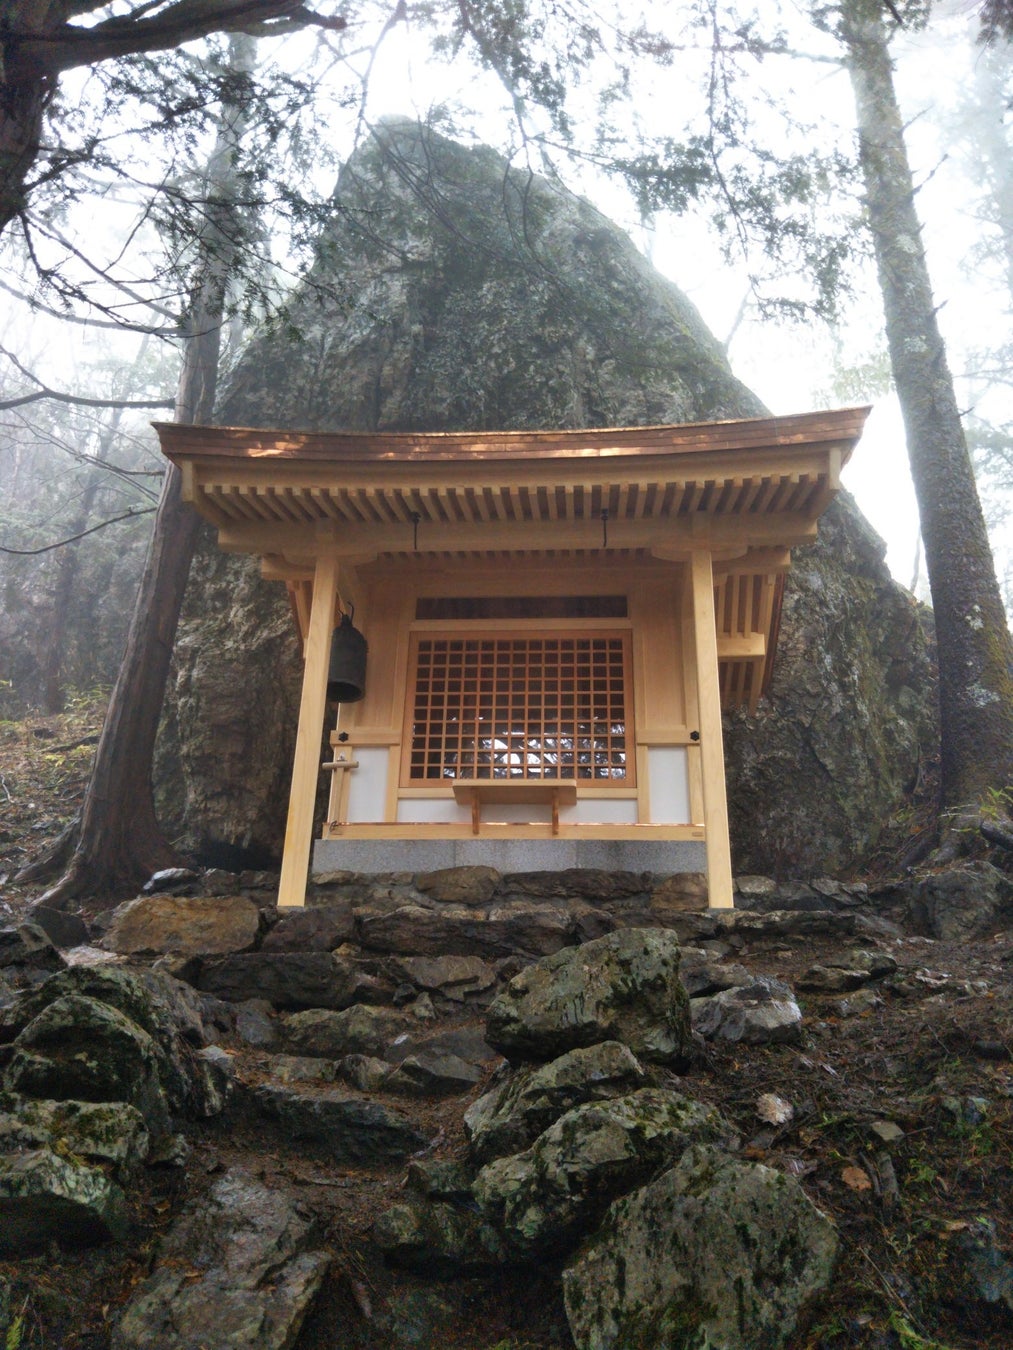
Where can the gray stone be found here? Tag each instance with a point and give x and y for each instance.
(427, 1073)
(439, 1238)
(456, 930)
(317, 928)
(761, 1013)
(529, 1100)
(701, 975)
(214, 1079)
(302, 1069)
(455, 977)
(235, 1269)
(197, 925)
(292, 980)
(961, 904)
(63, 930)
(45, 1199)
(467, 1043)
(549, 1196)
(843, 974)
(346, 1129)
(715, 1253)
(104, 1132)
(365, 1072)
(255, 1024)
(441, 1179)
(360, 1030)
(28, 946)
(677, 894)
(170, 1013)
(987, 1273)
(460, 885)
(80, 1049)
(590, 884)
(622, 987)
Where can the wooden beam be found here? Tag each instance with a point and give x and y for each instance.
(671, 540)
(719, 858)
(739, 647)
(306, 764)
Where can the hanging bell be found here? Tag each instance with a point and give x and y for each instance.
(346, 674)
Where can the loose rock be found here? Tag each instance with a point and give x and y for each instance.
(234, 1270)
(715, 1253)
(45, 1198)
(511, 1116)
(761, 1013)
(622, 987)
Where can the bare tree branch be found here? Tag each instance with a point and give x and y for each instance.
(31, 54)
(67, 316)
(48, 548)
(78, 400)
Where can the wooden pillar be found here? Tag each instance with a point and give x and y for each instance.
(306, 764)
(712, 755)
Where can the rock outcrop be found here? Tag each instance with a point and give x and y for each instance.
(451, 292)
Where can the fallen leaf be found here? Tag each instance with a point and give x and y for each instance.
(856, 1178)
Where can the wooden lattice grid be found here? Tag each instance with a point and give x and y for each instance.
(520, 706)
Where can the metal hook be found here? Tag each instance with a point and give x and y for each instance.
(415, 517)
(605, 528)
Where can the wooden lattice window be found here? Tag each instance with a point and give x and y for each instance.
(519, 707)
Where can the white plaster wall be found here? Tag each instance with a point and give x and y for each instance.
(367, 792)
(444, 811)
(668, 783)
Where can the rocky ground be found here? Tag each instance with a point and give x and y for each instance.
(306, 1152)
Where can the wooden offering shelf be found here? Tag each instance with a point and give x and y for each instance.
(475, 792)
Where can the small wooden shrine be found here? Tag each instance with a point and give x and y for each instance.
(554, 619)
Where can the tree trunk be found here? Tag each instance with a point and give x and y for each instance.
(22, 104)
(118, 841)
(974, 647)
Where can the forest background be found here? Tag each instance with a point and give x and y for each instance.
(178, 190)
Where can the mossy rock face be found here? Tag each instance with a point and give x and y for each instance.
(452, 292)
(80, 1049)
(547, 1197)
(45, 1198)
(158, 1005)
(513, 1115)
(107, 1132)
(715, 1254)
(622, 987)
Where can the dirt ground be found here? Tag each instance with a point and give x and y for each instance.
(901, 1129)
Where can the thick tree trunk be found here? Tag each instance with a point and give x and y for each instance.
(118, 841)
(22, 104)
(975, 651)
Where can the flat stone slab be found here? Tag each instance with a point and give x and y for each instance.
(197, 925)
(291, 980)
(235, 1269)
(348, 1129)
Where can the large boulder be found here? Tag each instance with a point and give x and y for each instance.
(46, 1198)
(100, 1132)
(621, 987)
(453, 292)
(166, 1012)
(237, 1268)
(546, 1197)
(715, 1253)
(528, 1100)
(82, 1050)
